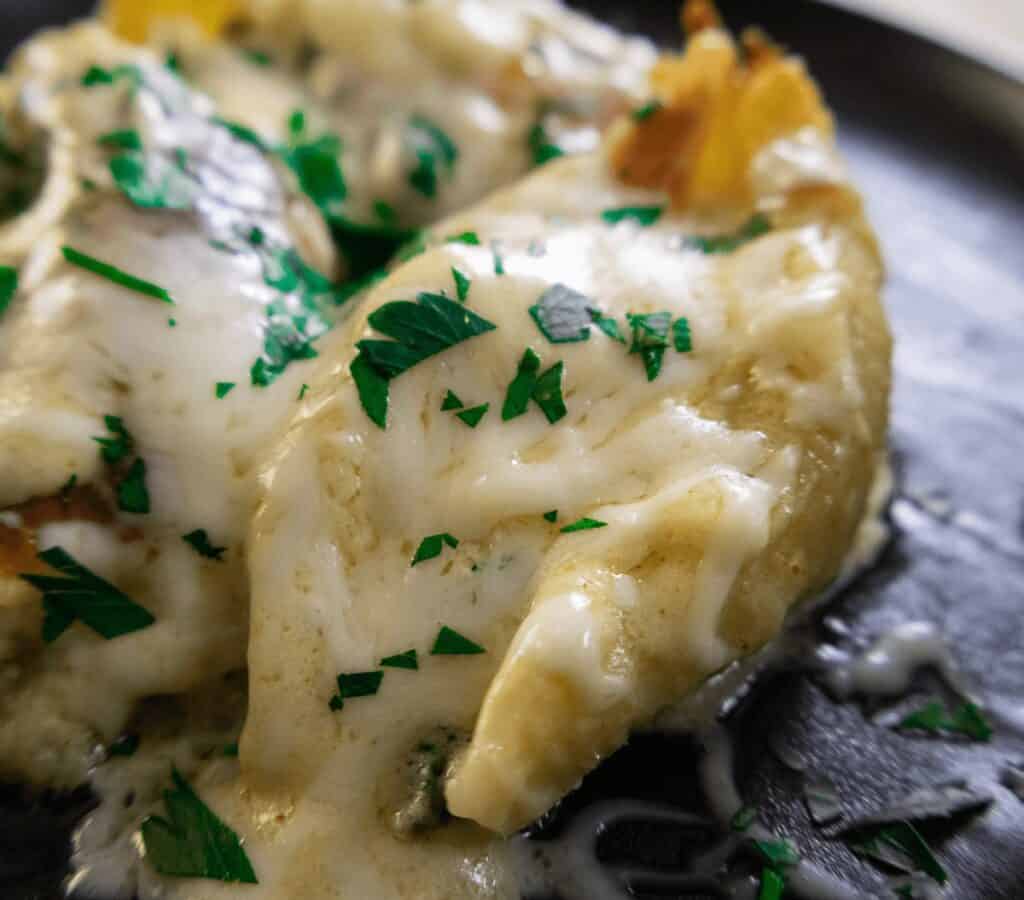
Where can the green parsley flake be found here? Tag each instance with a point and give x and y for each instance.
(470, 238)
(319, 173)
(172, 62)
(520, 390)
(462, 284)
(96, 75)
(474, 414)
(778, 853)
(450, 643)
(385, 212)
(356, 684)
(433, 149)
(772, 885)
(126, 745)
(151, 181)
(966, 719)
(421, 329)
(642, 215)
(8, 287)
(222, 388)
(551, 515)
(607, 324)
(242, 133)
(650, 339)
(124, 138)
(81, 594)
(547, 393)
(584, 524)
(302, 390)
(901, 846)
(192, 842)
(172, 323)
(257, 57)
(743, 818)
(499, 260)
(432, 545)
(200, 541)
(132, 494)
(114, 274)
(68, 487)
(451, 401)
(758, 225)
(407, 660)
(563, 315)
(542, 147)
(115, 449)
(681, 337)
(642, 113)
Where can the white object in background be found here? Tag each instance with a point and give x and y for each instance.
(989, 30)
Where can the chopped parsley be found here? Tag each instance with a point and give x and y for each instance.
(563, 315)
(778, 853)
(499, 260)
(420, 329)
(150, 181)
(192, 842)
(114, 449)
(319, 173)
(642, 113)
(68, 487)
(681, 337)
(132, 494)
(257, 57)
(407, 660)
(451, 401)
(434, 150)
(966, 719)
(302, 391)
(584, 524)
(545, 389)
(222, 388)
(432, 545)
(902, 847)
(124, 138)
(450, 643)
(462, 284)
(356, 684)
(81, 594)
(542, 147)
(650, 338)
(547, 393)
(758, 225)
(470, 238)
(773, 885)
(243, 133)
(474, 414)
(744, 818)
(95, 75)
(551, 515)
(200, 541)
(126, 745)
(607, 324)
(8, 287)
(642, 215)
(114, 274)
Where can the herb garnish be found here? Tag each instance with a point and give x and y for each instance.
(450, 643)
(222, 388)
(544, 389)
(451, 401)
(8, 287)
(474, 414)
(434, 149)
(199, 540)
(257, 57)
(562, 314)
(114, 274)
(126, 745)
(192, 842)
(95, 75)
(151, 181)
(650, 338)
(462, 284)
(743, 818)
(966, 719)
(432, 545)
(81, 594)
(551, 515)
(132, 494)
(542, 148)
(758, 225)
(499, 260)
(302, 391)
(118, 447)
(407, 660)
(681, 337)
(772, 885)
(646, 111)
(68, 487)
(778, 853)
(243, 133)
(584, 524)
(642, 215)
(356, 684)
(125, 138)
(466, 237)
(902, 847)
(607, 324)
(547, 393)
(420, 329)
(316, 165)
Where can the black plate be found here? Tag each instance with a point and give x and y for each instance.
(936, 143)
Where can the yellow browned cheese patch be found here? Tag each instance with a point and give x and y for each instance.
(131, 19)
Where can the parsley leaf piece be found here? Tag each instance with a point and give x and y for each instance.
(302, 390)
(257, 57)
(778, 853)
(547, 393)
(772, 885)
(230, 749)
(466, 237)
(642, 215)
(450, 643)
(551, 515)
(172, 62)
(432, 148)
(420, 329)
(966, 719)
(385, 212)
(407, 660)
(355, 684)
(81, 594)
(319, 173)
(68, 487)
(151, 182)
(517, 397)
(744, 818)
(650, 338)
(114, 274)
(222, 388)
(474, 414)
(95, 75)
(432, 545)
(682, 340)
(199, 540)
(607, 324)
(115, 449)
(125, 138)
(192, 842)
(562, 314)
(901, 847)
(132, 493)
(243, 133)
(499, 260)
(542, 148)
(126, 745)
(758, 225)
(451, 401)
(584, 524)
(641, 113)
(462, 284)
(8, 287)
